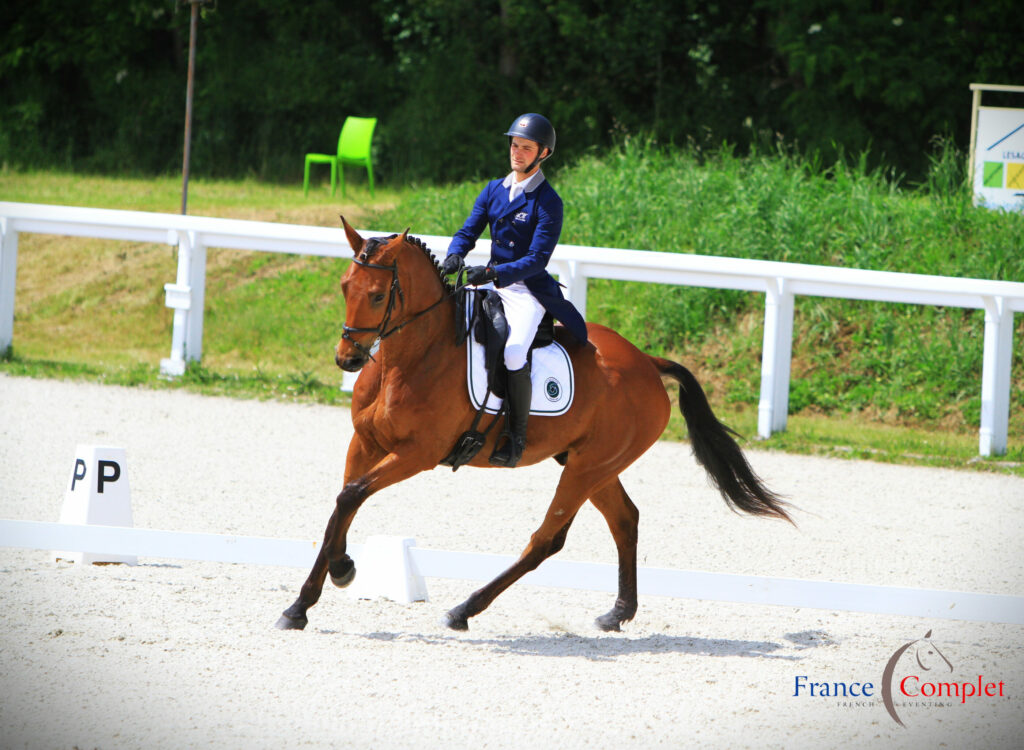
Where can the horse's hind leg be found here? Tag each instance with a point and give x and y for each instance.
(623, 518)
(534, 554)
(546, 541)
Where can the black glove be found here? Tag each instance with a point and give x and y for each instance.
(480, 275)
(452, 264)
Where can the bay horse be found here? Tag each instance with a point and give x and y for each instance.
(411, 404)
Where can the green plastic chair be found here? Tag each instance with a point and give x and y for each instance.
(353, 149)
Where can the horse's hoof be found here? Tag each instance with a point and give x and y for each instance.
(609, 623)
(285, 622)
(343, 572)
(455, 621)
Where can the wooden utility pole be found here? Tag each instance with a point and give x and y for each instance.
(189, 90)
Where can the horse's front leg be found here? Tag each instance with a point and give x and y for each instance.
(357, 463)
(341, 567)
(294, 618)
(366, 472)
(394, 467)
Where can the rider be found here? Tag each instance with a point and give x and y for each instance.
(525, 217)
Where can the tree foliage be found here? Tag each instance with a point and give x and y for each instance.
(101, 85)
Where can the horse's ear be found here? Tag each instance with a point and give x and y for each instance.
(405, 234)
(353, 237)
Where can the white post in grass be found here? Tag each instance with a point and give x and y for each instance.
(773, 407)
(995, 377)
(187, 298)
(576, 286)
(8, 273)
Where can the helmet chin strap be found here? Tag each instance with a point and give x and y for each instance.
(539, 159)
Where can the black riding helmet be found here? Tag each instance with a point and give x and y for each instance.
(536, 128)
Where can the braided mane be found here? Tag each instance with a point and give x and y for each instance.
(373, 245)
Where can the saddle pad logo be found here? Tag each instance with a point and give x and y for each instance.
(552, 389)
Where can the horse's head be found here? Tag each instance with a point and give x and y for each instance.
(929, 656)
(384, 291)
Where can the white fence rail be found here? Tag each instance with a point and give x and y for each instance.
(574, 265)
(430, 563)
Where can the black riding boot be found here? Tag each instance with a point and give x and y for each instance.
(519, 391)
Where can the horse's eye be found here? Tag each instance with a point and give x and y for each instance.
(377, 299)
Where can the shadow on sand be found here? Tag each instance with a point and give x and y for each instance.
(608, 648)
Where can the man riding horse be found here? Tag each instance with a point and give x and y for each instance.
(403, 424)
(525, 217)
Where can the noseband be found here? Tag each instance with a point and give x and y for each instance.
(381, 330)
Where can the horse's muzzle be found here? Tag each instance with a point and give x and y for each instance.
(350, 363)
(349, 356)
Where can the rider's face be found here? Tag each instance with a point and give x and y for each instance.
(522, 154)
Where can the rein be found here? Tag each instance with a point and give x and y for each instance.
(381, 330)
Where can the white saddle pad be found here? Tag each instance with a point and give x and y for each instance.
(551, 374)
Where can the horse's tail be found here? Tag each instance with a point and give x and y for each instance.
(717, 451)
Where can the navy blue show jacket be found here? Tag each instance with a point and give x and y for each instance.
(524, 233)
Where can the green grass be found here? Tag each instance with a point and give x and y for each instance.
(226, 198)
(874, 380)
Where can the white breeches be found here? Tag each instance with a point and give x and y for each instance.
(523, 313)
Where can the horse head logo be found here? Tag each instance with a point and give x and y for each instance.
(928, 657)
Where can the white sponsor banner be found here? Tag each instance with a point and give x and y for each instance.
(999, 158)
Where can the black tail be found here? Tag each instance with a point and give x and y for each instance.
(717, 451)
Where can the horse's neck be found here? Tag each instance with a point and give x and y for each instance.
(425, 351)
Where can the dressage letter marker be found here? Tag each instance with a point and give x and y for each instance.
(98, 493)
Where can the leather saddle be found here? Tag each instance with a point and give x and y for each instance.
(487, 324)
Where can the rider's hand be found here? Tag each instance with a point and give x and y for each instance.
(480, 275)
(452, 263)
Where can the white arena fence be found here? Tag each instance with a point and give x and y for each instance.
(573, 264)
(428, 563)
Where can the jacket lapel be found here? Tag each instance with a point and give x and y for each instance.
(505, 208)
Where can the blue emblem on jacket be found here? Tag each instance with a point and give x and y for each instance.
(524, 233)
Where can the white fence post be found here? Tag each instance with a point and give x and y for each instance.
(8, 273)
(572, 277)
(777, 350)
(187, 297)
(995, 377)
(197, 282)
(576, 287)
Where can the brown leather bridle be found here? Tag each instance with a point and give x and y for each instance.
(381, 330)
